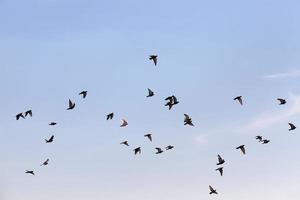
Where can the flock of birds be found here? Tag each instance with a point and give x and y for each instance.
(170, 102)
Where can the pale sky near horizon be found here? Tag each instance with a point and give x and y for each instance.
(208, 53)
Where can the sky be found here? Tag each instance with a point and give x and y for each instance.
(208, 53)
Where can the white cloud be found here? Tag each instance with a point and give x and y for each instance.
(291, 74)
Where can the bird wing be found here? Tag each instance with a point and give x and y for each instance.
(186, 116)
(243, 150)
(52, 137)
(155, 60)
(211, 188)
(220, 159)
(70, 103)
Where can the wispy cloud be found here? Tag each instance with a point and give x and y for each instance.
(291, 74)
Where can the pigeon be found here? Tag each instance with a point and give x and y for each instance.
(29, 172)
(124, 123)
(50, 140)
(220, 169)
(242, 148)
(149, 136)
(109, 116)
(28, 112)
(259, 138)
(83, 93)
(281, 101)
(265, 141)
(46, 162)
(188, 120)
(172, 100)
(239, 98)
(71, 105)
(169, 147)
(158, 150)
(154, 58)
(137, 150)
(52, 123)
(125, 143)
(19, 115)
(150, 93)
(212, 190)
(293, 127)
(220, 160)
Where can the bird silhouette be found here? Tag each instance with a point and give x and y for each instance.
(83, 93)
(242, 148)
(281, 101)
(150, 93)
(71, 105)
(20, 115)
(149, 136)
(29, 172)
(239, 98)
(259, 138)
(52, 123)
(158, 150)
(292, 127)
(137, 150)
(220, 169)
(220, 160)
(46, 162)
(154, 58)
(123, 123)
(169, 147)
(50, 139)
(212, 190)
(28, 112)
(109, 116)
(125, 143)
(265, 141)
(188, 120)
(172, 100)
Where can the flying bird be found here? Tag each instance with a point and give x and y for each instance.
(149, 136)
(52, 123)
(212, 190)
(154, 58)
(220, 169)
(293, 127)
(29, 172)
(50, 139)
(281, 101)
(158, 150)
(71, 105)
(46, 162)
(172, 100)
(123, 123)
(150, 93)
(28, 112)
(83, 93)
(242, 148)
(239, 98)
(137, 150)
(19, 115)
(125, 143)
(259, 138)
(220, 160)
(188, 120)
(169, 147)
(265, 141)
(109, 116)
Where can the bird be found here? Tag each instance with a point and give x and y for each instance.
(149, 136)
(259, 138)
(188, 120)
(29, 172)
(137, 150)
(220, 160)
(154, 58)
(169, 147)
(71, 105)
(150, 93)
(28, 112)
(50, 139)
(123, 123)
(242, 148)
(293, 127)
(172, 100)
(220, 169)
(281, 101)
(109, 116)
(83, 93)
(158, 150)
(52, 123)
(46, 162)
(170, 104)
(125, 143)
(239, 98)
(212, 190)
(19, 115)
(265, 141)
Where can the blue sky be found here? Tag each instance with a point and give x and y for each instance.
(208, 53)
